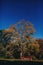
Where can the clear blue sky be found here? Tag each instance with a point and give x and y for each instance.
(12, 11)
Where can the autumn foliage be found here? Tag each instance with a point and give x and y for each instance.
(18, 41)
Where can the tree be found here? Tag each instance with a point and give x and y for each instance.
(2, 51)
(19, 36)
(34, 48)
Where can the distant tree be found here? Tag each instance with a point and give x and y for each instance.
(2, 50)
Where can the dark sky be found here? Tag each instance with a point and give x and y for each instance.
(12, 11)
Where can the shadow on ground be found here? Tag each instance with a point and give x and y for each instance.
(19, 62)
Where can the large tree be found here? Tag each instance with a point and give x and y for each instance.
(20, 33)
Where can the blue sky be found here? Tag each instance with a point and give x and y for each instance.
(12, 11)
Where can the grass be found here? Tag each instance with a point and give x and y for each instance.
(2, 59)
